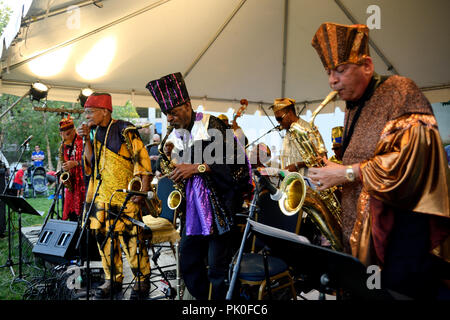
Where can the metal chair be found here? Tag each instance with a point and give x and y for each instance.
(265, 270)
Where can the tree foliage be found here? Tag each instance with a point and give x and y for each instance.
(23, 121)
(5, 13)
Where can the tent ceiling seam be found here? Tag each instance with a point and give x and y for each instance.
(214, 38)
(74, 40)
(56, 12)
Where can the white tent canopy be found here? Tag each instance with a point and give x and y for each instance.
(227, 49)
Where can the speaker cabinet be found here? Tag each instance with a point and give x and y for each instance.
(57, 240)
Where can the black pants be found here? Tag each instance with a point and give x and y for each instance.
(198, 252)
(409, 268)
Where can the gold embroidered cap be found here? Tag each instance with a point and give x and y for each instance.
(336, 135)
(281, 103)
(338, 44)
(223, 117)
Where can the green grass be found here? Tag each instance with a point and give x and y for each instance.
(10, 287)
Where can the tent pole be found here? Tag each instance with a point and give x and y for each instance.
(285, 31)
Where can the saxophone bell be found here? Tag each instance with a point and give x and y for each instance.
(65, 176)
(174, 199)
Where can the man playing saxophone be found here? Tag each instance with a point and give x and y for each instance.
(395, 177)
(113, 156)
(70, 154)
(213, 185)
(284, 111)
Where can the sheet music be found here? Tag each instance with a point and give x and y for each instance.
(279, 233)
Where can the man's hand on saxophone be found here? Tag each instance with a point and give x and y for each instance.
(186, 170)
(67, 165)
(332, 174)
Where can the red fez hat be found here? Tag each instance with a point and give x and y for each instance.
(99, 100)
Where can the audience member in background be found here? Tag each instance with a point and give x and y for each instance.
(38, 157)
(153, 152)
(19, 180)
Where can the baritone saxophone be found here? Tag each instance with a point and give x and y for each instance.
(322, 207)
(151, 206)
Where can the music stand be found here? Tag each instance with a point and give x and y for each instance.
(20, 205)
(334, 270)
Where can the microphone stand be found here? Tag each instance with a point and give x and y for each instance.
(52, 207)
(271, 130)
(111, 234)
(235, 273)
(9, 262)
(85, 226)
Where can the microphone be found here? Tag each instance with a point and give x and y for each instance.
(149, 195)
(275, 194)
(26, 141)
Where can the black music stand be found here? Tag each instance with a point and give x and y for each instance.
(333, 270)
(19, 205)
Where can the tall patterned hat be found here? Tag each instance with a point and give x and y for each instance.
(281, 103)
(336, 135)
(169, 91)
(99, 100)
(66, 123)
(338, 44)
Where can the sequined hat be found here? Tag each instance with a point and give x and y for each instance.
(169, 91)
(338, 44)
(281, 103)
(66, 123)
(99, 100)
(336, 135)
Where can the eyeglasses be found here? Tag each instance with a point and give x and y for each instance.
(89, 112)
(279, 119)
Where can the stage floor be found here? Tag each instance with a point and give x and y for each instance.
(166, 258)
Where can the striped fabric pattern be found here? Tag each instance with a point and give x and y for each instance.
(338, 44)
(169, 91)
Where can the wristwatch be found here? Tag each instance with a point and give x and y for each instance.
(349, 174)
(201, 168)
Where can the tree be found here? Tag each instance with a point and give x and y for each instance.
(5, 13)
(23, 120)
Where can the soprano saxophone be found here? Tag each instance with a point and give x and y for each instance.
(65, 175)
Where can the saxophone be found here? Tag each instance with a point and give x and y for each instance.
(322, 207)
(176, 196)
(65, 175)
(151, 206)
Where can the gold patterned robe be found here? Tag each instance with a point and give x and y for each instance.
(117, 163)
(403, 167)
